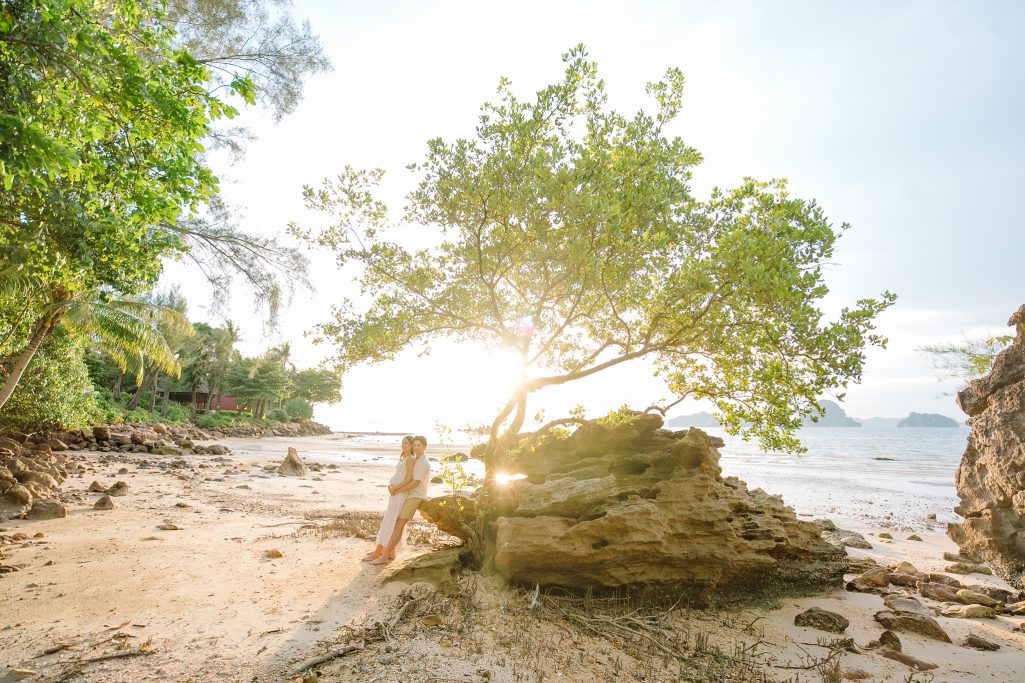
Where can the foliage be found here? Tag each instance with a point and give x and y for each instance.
(225, 418)
(317, 385)
(279, 415)
(454, 476)
(968, 360)
(299, 410)
(256, 382)
(569, 232)
(55, 391)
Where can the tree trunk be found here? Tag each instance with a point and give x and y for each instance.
(193, 399)
(117, 385)
(163, 405)
(136, 399)
(44, 328)
(153, 394)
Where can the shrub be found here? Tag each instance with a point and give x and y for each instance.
(278, 415)
(137, 416)
(299, 410)
(178, 413)
(55, 391)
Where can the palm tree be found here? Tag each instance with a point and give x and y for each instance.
(225, 339)
(125, 329)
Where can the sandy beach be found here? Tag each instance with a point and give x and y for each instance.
(207, 601)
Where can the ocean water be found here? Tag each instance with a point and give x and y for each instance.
(892, 478)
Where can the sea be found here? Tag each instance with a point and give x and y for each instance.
(889, 478)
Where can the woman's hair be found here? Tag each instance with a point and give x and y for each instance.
(404, 440)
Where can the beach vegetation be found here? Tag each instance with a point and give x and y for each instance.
(967, 360)
(569, 232)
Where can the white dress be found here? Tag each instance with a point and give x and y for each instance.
(391, 514)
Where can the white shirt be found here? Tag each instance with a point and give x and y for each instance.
(422, 475)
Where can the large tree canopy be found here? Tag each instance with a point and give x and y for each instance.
(569, 231)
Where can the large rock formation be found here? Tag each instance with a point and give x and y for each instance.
(991, 478)
(637, 505)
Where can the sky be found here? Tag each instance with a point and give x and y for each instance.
(901, 119)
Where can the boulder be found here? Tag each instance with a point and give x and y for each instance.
(101, 433)
(46, 509)
(963, 568)
(454, 515)
(991, 476)
(440, 569)
(97, 487)
(104, 503)
(974, 641)
(912, 622)
(906, 580)
(292, 465)
(19, 494)
(969, 612)
(937, 591)
(823, 620)
(637, 505)
(899, 603)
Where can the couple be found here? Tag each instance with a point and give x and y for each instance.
(408, 486)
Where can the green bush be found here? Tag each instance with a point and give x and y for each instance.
(137, 416)
(299, 409)
(178, 413)
(278, 415)
(108, 411)
(55, 391)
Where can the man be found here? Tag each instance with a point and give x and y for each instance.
(417, 491)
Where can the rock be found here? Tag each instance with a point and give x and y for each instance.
(937, 591)
(905, 568)
(961, 568)
(104, 503)
(931, 515)
(273, 554)
(439, 568)
(454, 515)
(855, 675)
(118, 489)
(978, 643)
(886, 535)
(956, 557)
(942, 578)
(46, 509)
(999, 594)
(822, 620)
(906, 580)
(874, 578)
(57, 445)
(842, 538)
(101, 433)
(169, 527)
(969, 612)
(437, 480)
(887, 640)
(914, 537)
(123, 470)
(217, 449)
(97, 487)
(19, 495)
(968, 597)
(912, 622)
(637, 505)
(292, 465)
(860, 565)
(991, 477)
(898, 603)
(1017, 608)
(908, 660)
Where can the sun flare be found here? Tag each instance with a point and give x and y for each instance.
(504, 478)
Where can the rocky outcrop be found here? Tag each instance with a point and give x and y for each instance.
(293, 465)
(991, 477)
(638, 505)
(30, 472)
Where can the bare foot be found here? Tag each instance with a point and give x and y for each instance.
(371, 556)
(382, 560)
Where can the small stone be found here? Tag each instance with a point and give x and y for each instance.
(118, 489)
(855, 675)
(886, 535)
(104, 503)
(978, 643)
(914, 537)
(123, 470)
(962, 568)
(931, 515)
(968, 597)
(942, 578)
(823, 620)
(1017, 608)
(97, 487)
(906, 568)
(273, 554)
(169, 527)
(246, 487)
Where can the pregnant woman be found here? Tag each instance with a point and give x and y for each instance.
(413, 490)
(403, 474)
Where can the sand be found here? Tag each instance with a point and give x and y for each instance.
(211, 606)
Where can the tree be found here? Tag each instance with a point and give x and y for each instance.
(968, 360)
(257, 382)
(569, 232)
(317, 385)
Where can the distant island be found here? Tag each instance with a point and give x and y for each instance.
(835, 417)
(928, 420)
